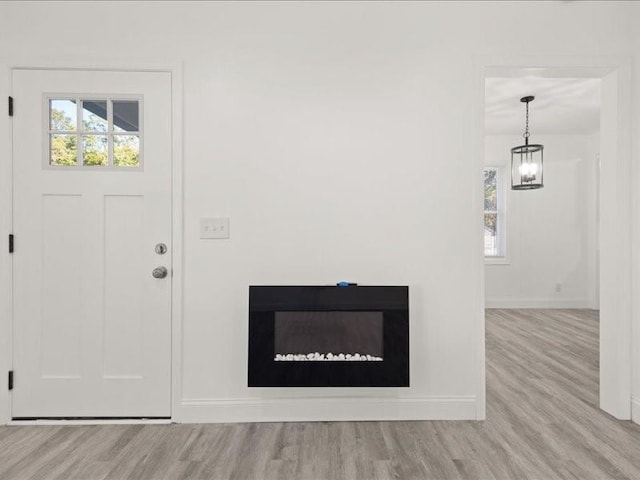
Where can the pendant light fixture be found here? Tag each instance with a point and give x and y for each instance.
(526, 160)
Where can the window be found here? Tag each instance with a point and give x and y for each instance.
(494, 215)
(93, 132)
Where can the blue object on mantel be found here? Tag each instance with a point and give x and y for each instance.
(346, 284)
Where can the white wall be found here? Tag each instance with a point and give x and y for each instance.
(339, 138)
(551, 232)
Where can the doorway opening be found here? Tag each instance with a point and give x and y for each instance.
(558, 257)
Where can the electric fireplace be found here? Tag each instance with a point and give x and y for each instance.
(326, 336)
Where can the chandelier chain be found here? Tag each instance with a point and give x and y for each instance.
(526, 130)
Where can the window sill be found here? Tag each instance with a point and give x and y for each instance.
(497, 261)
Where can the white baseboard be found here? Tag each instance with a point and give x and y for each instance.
(635, 409)
(88, 421)
(208, 410)
(537, 303)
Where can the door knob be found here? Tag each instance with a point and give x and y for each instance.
(159, 272)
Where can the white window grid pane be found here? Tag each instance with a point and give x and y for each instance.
(125, 134)
(80, 131)
(495, 245)
(83, 110)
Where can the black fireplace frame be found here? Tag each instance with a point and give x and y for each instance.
(265, 301)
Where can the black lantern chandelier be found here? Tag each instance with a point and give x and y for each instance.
(526, 160)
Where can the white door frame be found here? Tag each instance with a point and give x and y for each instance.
(7, 66)
(618, 337)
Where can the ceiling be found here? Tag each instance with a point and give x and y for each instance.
(562, 105)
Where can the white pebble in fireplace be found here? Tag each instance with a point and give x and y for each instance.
(319, 357)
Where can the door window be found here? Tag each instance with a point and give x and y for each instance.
(94, 132)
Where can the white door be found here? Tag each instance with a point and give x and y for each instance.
(92, 199)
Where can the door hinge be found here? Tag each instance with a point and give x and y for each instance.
(10, 379)
(11, 243)
(11, 106)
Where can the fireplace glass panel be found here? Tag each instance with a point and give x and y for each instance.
(328, 336)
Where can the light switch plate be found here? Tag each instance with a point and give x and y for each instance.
(214, 228)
